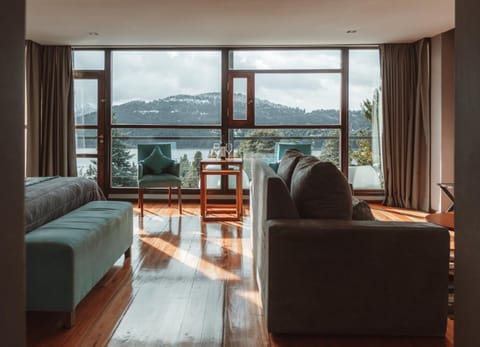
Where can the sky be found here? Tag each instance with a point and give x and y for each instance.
(148, 75)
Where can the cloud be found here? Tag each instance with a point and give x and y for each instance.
(364, 74)
(305, 91)
(150, 75)
(287, 59)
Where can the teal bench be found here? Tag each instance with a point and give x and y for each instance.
(66, 257)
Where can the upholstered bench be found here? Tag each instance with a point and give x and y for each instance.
(69, 255)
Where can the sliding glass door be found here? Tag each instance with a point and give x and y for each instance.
(89, 123)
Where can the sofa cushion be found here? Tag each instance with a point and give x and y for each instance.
(320, 190)
(361, 210)
(279, 201)
(287, 165)
(157, 162)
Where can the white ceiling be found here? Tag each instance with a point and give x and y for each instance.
(235, 22)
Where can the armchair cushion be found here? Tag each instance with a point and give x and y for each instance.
(156, 162)
(159, 181)
(174, 169)
(320, 190)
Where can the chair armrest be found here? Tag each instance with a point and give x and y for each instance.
(140, 169)
(174, 169)
(364, 277)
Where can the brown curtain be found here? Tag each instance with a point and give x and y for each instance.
(50, 116)
(406, 124)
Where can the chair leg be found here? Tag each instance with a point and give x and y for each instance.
(140, 197)
(169, 196)
(179, 194)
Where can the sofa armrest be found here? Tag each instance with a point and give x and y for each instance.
(355, 277)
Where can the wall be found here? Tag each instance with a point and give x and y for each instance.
(12, 288)
(467, 173)
(443, 117)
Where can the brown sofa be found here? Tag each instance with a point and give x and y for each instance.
(343, 276)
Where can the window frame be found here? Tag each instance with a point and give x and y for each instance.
(227, 124)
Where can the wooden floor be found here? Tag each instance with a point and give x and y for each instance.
(188, 284)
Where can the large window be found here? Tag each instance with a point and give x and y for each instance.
(285, 87)
(326, 100)
(287, 97)
(157, 96)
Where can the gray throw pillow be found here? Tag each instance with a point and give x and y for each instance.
(361, 210)
(287, 165)
(320, 190)
(157, 162)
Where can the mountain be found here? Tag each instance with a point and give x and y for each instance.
(204, 109)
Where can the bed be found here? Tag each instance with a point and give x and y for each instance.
(47, 198)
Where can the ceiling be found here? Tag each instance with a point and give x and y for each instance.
(235, 22)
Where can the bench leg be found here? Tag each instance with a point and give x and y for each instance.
(140, 201)
(69, 319)
(128, 253)
(169, 196)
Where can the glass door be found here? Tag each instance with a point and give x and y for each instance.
(89, 109)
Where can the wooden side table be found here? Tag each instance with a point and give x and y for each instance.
(226, 167)
(445, 219)
(447, 188)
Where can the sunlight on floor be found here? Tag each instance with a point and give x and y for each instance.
(210, 270)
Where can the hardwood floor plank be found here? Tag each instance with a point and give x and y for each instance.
(244, 323)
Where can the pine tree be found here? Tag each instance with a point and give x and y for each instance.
(91, 171)
(362, 155)
(331, 150)
(124, 172)
(262, 144)
(184, 165)
(192, 176)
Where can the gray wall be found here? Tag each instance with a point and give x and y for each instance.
(443, 117)
(12, 288)
(467, 173)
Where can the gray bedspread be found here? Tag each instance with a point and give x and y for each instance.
(47, 198)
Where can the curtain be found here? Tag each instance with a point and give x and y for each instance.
(406, 124)
(49, 108)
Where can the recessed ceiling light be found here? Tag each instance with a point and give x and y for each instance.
(351, 31)
(93, 33)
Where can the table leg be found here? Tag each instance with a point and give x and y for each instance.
(202, 193)
(240, 193)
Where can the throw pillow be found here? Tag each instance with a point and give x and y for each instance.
(361, 210)
(157, 162)
(287, 165)
(320, 190)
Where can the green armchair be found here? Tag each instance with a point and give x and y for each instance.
(156, 169)
(282, 147)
